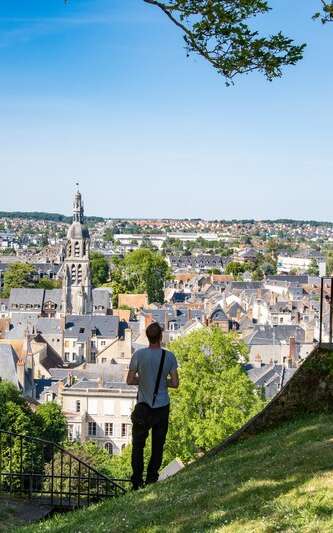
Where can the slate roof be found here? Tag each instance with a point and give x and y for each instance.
(101, 297)
(198, 261)
(19, 325)
(53, 295)
(48, 326)
(219, 315)
(300, 280)
(246, 285)
(46, 268)
(270, 377)
(26, 296)
(86, 383)
(234, 309)
(276, 334)
(114, 372)
(180, 315)
(81, 326)
(52, 359)
(8, 361)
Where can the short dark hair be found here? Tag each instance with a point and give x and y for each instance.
(154, 332)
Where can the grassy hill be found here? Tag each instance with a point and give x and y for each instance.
(281, 480)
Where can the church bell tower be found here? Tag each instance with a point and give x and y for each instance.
(77, 289)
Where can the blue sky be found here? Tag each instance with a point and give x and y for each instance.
(102, 92)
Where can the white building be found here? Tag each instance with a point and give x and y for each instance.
(99, 412)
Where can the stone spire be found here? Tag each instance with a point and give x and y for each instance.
(78, 209)
(77, 289)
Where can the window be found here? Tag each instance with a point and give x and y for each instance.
(81, 330)
(104, 360)
(67, 356)
(77, 249)
(92, 429)
(79, 274)
(124, 430)
(108, 429)
(70, 432)
(109, 447)
(73, 270)
(103, 343)
(78, 406)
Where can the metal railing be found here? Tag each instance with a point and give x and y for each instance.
(326, 311)
(34, 468)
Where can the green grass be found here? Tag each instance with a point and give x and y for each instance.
(281, 480)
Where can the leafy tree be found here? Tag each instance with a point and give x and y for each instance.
(269, 269)
(326, 14)
(17, 417)
(214, 271)
(53, 424)
(108, 235)
(19, 275)
(221, 31)
(313, 269)
(142, 270)
(257, 275)
(215, 396)
(99, 269)
(235, 268)
(49, 284)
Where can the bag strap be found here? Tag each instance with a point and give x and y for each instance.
(159, 375)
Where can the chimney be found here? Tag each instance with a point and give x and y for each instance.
(70, 379)
(291, 363)
(257, 361)
(20, 369)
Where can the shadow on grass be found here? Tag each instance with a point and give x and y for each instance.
(243, 483)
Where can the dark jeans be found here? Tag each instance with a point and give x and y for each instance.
(145, 418)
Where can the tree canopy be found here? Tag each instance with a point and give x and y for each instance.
(19, 275)
(215, 396)
(99, 269)
(141, 271)
(223, 32)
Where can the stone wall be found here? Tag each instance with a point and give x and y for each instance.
(309, 390)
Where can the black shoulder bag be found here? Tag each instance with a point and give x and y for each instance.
(158, 379)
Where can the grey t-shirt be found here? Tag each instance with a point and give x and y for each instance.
(146, 363)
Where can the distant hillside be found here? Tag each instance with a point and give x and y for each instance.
(279, 480)
(39, 215)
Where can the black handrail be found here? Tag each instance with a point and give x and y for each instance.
(34, 467)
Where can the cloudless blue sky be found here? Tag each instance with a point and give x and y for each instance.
(102, 92)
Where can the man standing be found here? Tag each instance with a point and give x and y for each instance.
(153, 369)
